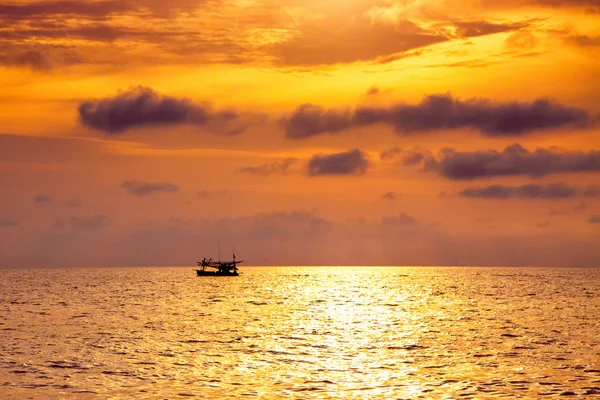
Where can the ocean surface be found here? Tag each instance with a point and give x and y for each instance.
(302, 332)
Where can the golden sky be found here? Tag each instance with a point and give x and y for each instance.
(425, 132)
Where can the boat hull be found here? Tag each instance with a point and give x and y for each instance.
(215, 273)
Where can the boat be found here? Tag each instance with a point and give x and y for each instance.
(218, 268)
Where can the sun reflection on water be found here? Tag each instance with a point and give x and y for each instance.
(300, 332)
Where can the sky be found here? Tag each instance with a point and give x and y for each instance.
(355, 132)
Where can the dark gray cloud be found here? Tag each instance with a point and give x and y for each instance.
(143, 107)
(310, 120)
(8, 223)
(42, 199)
(277, 167)
(142, 189)
(492, 119)
(594, 219)
(437, 112)
(95, 222)
(352, 162)
(531, 191)
(514, 160)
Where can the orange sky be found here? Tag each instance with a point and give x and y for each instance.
(425, 132)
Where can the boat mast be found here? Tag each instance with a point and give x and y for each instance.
(219, 249)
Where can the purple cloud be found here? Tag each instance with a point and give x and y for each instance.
(95, 222)
(513, 160)
(143, 107)
(352, 162)
(531, 191)
(390, 196)
(42, 199)
(440, 112)
(8, 223)
(143, 189)
(277, 167)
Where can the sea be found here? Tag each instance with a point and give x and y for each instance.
(300, 332)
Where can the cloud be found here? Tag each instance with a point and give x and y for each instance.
(513, 160)
(42, 199)
(33, 59)
(143, 107)
(203, 194)
(594, 219)
(95, 222)
(364, 32)
(74, 203)
(531, 191)
(591, 191)
(60, 223)
(401, 220)
(521, 40)
(342, 38)
(8, 223)
(583, 40)
(466, 29)
(351, 162)
(277, 167)
(590, 6)
(408, 157)
(391, 196)
(42, 9)
(143, 189)
(309, 120)
(373, 91)
(440, 112)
